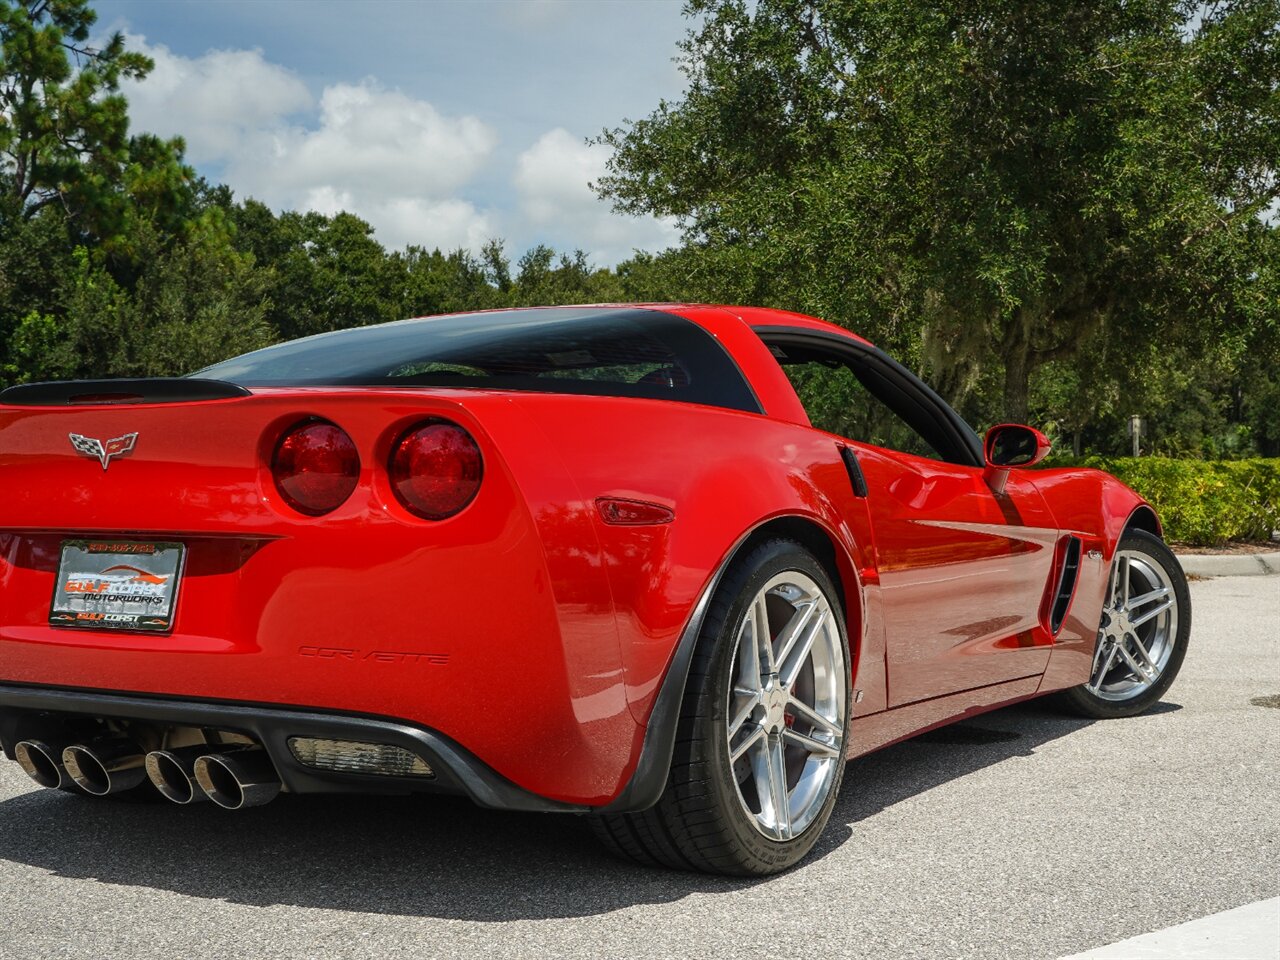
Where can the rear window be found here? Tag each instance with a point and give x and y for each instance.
(622, 353)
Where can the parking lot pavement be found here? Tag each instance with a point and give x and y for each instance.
(1022, 833)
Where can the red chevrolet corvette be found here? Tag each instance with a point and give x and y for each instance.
(668, 566)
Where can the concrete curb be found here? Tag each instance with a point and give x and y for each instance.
(1248, 933)
(1230, 564)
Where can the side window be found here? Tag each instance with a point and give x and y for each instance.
(838, 402)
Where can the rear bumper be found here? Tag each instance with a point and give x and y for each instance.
(456, 770)
(460, 632)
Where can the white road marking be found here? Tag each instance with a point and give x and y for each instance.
(1246, 933)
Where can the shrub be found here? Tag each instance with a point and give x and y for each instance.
(1203, 502)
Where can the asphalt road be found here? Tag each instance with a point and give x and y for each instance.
(1021, 834)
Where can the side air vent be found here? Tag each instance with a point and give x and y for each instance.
(58, 393)
(1066, 584)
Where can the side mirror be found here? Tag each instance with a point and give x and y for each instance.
(1011, 445)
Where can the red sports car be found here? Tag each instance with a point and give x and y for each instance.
(668, 566)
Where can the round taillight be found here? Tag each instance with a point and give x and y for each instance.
(315, 466)
(435, 469)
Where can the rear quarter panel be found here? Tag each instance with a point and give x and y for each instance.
(723, 473)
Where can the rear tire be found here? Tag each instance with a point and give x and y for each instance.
(1142, 637)
(760, 745)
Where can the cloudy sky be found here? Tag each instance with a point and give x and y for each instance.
(441, 122)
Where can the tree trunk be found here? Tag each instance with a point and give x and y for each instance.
(953, 348)
(1016, 392)
(1017, 367)
(954, 382)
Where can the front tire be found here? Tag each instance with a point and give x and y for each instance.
(1142, 637)
(760, 746)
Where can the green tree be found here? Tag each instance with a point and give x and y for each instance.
(71, 176)
(326, 273)
(34, 255)
(976, 184)
(543, 278)
(63, 125)
(195, 302)
(438, 282)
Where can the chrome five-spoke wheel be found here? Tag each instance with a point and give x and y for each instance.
(760, 746)
(1138, 630)
(1142, 632)
(786, 706)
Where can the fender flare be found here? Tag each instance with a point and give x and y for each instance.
(649, 779)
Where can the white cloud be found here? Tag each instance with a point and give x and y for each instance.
(397, 161)
(554, 177)
(373, 142)
(394, 160)
(213, 101)
(450, 223)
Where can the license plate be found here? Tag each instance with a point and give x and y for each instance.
(117, 584)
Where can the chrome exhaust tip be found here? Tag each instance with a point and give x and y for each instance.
(173, 774)
(42, 763)
(234, 781)
(109, 765)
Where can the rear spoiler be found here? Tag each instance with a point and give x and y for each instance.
(58, 393)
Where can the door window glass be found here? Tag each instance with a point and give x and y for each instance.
(838, 402)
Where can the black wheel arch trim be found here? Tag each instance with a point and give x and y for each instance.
(649, 779)
(645, 787)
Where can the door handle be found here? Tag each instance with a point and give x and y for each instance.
(854, 469)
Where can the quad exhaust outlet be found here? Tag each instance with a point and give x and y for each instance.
(173, 773)
(238, 779)
(234, 776)
(42, 763)
(106, 766)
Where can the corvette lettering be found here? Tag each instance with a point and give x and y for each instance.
(379, 656)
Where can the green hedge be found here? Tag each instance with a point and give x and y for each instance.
(1203, 502)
